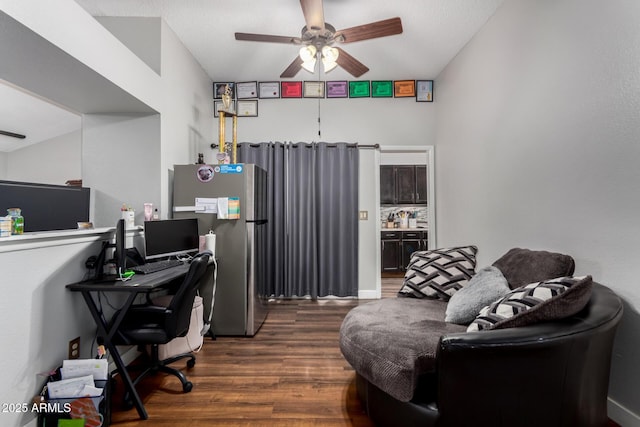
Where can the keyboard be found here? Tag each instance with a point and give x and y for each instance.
(152, 267)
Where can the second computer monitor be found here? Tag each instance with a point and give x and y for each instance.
(170, 237)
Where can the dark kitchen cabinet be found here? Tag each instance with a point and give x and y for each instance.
(391, 255)
(397, 247)
(387, 185)
(421, 184)
(411, 242)
(403, 184)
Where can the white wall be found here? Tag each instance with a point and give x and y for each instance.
(403, 158)
(385, 121)
(140, 35)
(187, 111)
(40, 316)
(368, 230)
(53, 161)
(150, 146)
(537, 147)
(120, 157)
(3, 165)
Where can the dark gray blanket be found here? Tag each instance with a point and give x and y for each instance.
(391, 342)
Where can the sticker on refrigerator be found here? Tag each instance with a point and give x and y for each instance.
(233, 168)
(205, 173)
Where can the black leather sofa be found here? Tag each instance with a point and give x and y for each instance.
(553, 373)
(550, 374)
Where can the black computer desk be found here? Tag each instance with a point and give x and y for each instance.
(138, 284)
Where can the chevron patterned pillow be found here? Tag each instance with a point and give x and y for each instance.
(536, 302)
(439, 273)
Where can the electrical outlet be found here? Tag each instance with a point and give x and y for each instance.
(74, 348)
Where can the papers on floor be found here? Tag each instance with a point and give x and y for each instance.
(73, 387)
(78, 379)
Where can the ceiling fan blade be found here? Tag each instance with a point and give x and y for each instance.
(293, 68)
(11, 134)
(267, 38)
(351, 64)
(387, 27)
(313, 14)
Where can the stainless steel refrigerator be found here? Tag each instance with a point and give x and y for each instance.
(240, 302)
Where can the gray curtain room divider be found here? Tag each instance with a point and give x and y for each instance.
(313, 217)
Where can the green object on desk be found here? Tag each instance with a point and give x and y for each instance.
(128, 273)
(79, 422)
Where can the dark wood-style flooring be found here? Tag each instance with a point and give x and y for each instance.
(290, 374)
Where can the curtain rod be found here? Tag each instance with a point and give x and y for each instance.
(373, 146)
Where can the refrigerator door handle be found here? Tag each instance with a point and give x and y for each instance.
(188, 208)
(258, 221)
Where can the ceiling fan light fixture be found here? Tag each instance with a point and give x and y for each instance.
(307, 53)
(310, 65)
(330, 53)
(328, 65)
(329, 58)
(308, 56)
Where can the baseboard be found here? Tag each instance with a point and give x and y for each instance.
(369, 294)
(128, 356)
(621, 415)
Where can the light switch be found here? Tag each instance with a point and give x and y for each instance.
(364, 215)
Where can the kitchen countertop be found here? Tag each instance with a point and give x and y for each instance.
(405, 229)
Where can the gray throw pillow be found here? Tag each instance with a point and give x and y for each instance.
(487, 286)
(524, 266)
(535, 302)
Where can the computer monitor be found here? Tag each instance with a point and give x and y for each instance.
(120, 253)
(170, 237)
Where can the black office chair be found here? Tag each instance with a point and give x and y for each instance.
(153, 325)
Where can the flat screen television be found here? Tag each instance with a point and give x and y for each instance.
(170, 237)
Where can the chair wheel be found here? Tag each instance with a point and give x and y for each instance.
(191, 363)
(127, 403)
(187, 387)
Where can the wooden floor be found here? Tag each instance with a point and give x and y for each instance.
(290, 374)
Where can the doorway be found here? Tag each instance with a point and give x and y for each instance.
(406, 220)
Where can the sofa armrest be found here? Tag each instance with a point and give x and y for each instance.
(562, 366)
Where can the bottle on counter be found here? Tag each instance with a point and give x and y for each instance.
(17, 220)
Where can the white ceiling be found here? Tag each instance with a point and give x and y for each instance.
(37, 119)
(434, 31)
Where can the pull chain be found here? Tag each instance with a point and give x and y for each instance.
(319, 99)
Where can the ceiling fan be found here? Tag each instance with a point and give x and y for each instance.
(318, 39)
(12, 134)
